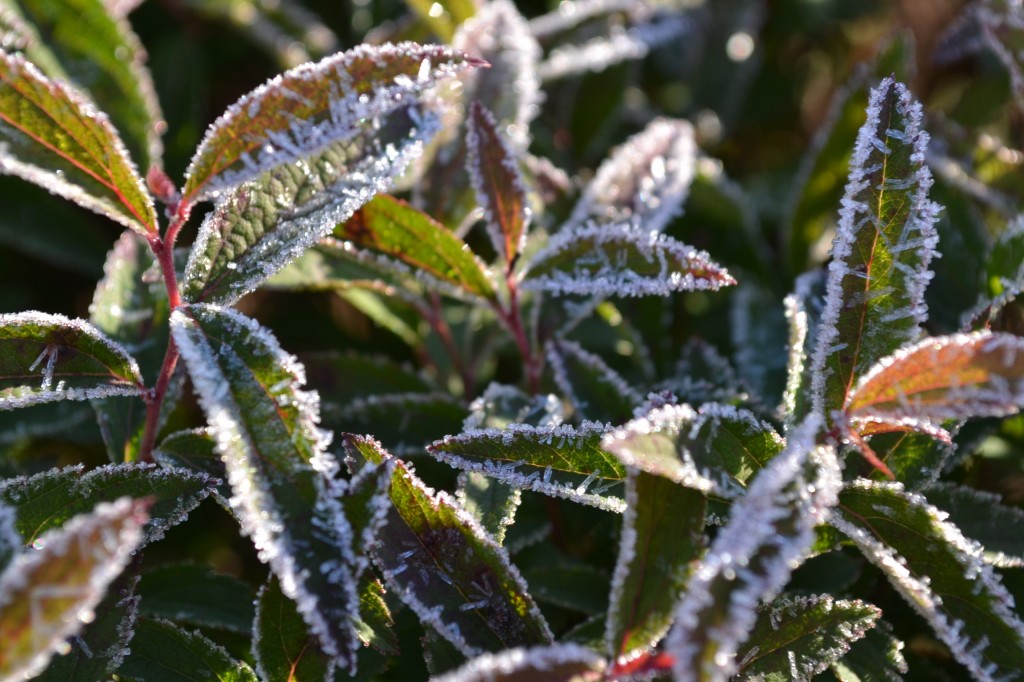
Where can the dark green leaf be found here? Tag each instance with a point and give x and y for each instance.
(422, 418)
(877, 657)
(180, 656)
(375, 621)
(760, 336)
(282, 646)
(984, 518)
(569, 584)
(662, 533)
(797, 638)
(938, 571)
(703, 375)
(596, 391)
(492, 503)
(282, 479)
(443, 565)
(194, 594)
(54, 138)
(50, 593)
(915, 459)
(195, 450)
(341, 378)
(47, 500)
(44, 358)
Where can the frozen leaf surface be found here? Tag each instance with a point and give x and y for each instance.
(876, 656)
(886, 238)
(562, 461)
(938, 571)
(269, 221)
(770, 531)
(180, 656)
(48, 594)
(647, 179)
(803, 310)
(46, 357)
(52, 136)
(47, 500)
(282, 479)
(305, 110)
(799, 637)
(662, 532)
(195, 450)
(558, 663)
(282, 646)
(421, 418)
(983, 517)
(596, 391)
(447, 569)
(492, 503)
(620, 259)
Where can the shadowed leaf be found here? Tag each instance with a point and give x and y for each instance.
(282, 646)
(984, 518)
(180, 656)
(194, 594)
(596, 391)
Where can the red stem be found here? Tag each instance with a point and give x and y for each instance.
(514, 321)
(444, 332)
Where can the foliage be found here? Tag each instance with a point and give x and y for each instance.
(581, 392)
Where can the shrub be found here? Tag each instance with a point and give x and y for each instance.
(583, 449)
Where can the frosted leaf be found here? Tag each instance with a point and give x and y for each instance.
(803, 310)
(179, 654)
(408, 421)
(703, 375)
(799, 637)
(983, 517)
(1003, 276)
(306, 110)
(47, 595)
(944, 377)
(886, 238)
(282, 647)
(621, 44)
(46, 357)
(596, 391)
(492, 503)
(940, 573)
(662, 537)
(562, 461)
(10, 539)
(770, 531)
(646, 179)
(500, 405)
(557, 663)
(195, 450)
(620, 259)
(498, 184)
(1002, 27)
(759, 335)
(878, 656)
(283, 481)
(54, 137)
(47, 500)
(446, 568)
(260, 227)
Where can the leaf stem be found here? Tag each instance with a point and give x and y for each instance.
(514, 321)
(440, 326)
(155, 401)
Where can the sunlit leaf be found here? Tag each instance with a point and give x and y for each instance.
(52, 136)
(662, 533)
(885, 240)
(194, 594)
(282, 646)
(938, 571)
(492, 503)
(770, 531)
(596, 391)
(47, 500)
(800, 637)
(915, 459)
(557, 663)
(561, 461)
(307, 109)
(49, 594)
(945, 377)
(180, 656)
(647, 179)
(498, 184)
(620, 259)
(395, 230)
(446, 568)
(281, 477)
(267, 222)
(375, 626)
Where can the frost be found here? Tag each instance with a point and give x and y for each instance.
(500, 405)
(803, 310)
(598, 378)
(561, 661)
(620, 259)
(10, 539)
(647, 178)
(770, 531)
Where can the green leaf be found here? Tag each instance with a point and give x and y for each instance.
(269, 221)
(568, 583)
(874, 301)
(557, 663)
(498, 184)
(760, 335)
(915, 459)
(877, 656)
(282, 479)
(49, 594)
(424, 417)
(803, 310)
(944, 377)
(49, 499)
(703, 375)
(1003, 275)
(108, 61)
(397, 231)
(375, 627)
(102, 645)
(983, 518)
(194, 594)
(44, 358)
(596, 391)
(492, 503)
(938, 571)
(307, 109)
(17, 34)
(180, 656)
(195, 450)
(662, 533)
(797, 638)
(771, 530)
(561, 461)
(341, 378)
(282, 646)
(133, 312)
(620, 259)
(55, 138)
(446, 568)
(501, 405)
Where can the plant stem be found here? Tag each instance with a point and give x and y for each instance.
(514, 321)
(444, 332)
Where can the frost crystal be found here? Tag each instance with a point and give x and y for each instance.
(564, 660)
